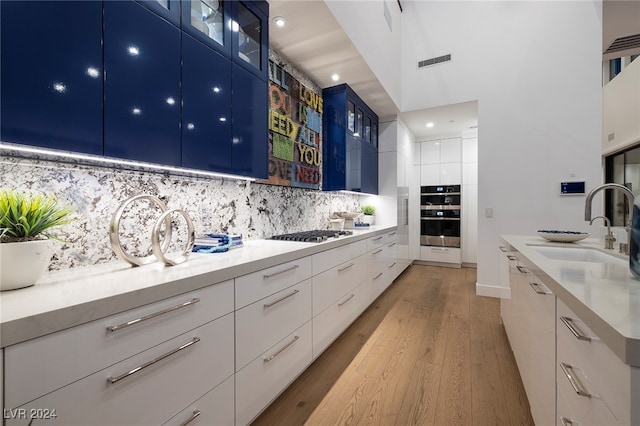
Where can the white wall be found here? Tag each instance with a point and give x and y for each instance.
(364, 23)
(535, 69)
(621, 103)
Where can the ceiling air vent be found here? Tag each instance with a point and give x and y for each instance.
(434, 61)
(624, 43)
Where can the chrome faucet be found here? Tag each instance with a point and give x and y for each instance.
(626, 191)
(609, 239)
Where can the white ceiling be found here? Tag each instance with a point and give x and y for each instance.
(314, 42)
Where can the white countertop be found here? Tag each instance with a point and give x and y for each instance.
(605, 296)
(63, 299)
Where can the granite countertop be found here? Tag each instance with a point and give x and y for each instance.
(604, 295)
(63, 299)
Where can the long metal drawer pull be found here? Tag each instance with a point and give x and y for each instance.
(194, 416)
(511, 257)
(392, 244)
(113, 328)
(291, 268)
(153, 361)
(503, 249)
(392, 265)
(575, 384)
(348, 298)
(578, 334)
(268, 305)
(376, 239)
(377, 276)
(522, 269)
(344, 268)
(377, 251)
(565, 421)
(272, 357)
(536, 287)
(392, 234)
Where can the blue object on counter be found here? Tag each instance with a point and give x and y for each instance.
(361, 225)
(219, 243)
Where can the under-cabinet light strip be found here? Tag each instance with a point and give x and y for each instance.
(8, 148)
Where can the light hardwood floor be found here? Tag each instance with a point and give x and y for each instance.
(428, 351)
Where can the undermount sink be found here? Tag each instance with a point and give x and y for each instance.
(579, 254)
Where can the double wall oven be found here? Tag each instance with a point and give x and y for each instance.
(440, 215)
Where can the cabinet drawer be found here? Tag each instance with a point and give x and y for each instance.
(214, 408)
(258, 285)
(380, 279)
(328, 325)
(381, 240)
(264, 379)
(585, 410)
(609, 377)
(334, 257)
(85, 349)
(261, 324)
(150, 395)
(375, 242)
(440, 254)
(329, 286)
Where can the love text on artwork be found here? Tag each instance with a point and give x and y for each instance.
(310, 98)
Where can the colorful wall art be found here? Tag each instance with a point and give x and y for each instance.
(295, 131)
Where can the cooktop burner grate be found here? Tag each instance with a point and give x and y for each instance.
(316, 236)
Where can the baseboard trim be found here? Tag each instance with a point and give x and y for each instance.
(493, 291)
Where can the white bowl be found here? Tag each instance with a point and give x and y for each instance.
(348, 215)
(562, 236)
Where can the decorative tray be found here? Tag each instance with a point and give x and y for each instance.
(562, 236)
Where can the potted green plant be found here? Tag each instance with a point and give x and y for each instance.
(368, 212)
(25, 222)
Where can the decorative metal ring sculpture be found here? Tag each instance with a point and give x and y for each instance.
(159, 249)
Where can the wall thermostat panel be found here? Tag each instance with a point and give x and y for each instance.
(572, 188)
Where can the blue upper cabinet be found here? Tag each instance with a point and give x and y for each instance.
(206, 108)
(51, 57)
(210, 22)
(250, 36)
(142, 85)
(250, 147)
(350, 153)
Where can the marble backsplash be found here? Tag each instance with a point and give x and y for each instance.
(216, 205)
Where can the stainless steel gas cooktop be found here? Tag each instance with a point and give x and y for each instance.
(316, 236)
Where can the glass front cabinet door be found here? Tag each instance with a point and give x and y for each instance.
(250, 34)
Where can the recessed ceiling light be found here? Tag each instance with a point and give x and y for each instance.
(335, 77)
(280, 21)
(429, 125)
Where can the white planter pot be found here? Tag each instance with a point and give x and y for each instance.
(366, 218)
(21, 264)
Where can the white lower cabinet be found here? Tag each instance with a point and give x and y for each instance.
(265, 378)
(215, 356)
(261, 324)
(570, 375)
(216, 408)
(148, 388)
(329, 324)
(595, 383)
(82, 350)
(441, 254)
(529, 319)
